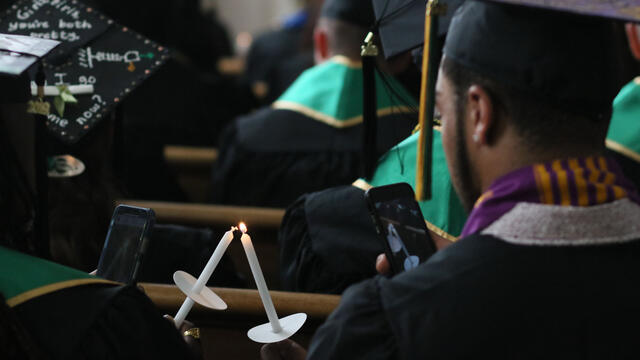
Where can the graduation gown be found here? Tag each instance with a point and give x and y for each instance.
(72, 315)
(510, 291)
(327, 238)
(624, 131)
(308, 140)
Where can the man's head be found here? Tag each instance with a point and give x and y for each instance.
(519, 86)
(341, 29)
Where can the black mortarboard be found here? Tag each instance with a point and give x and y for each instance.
(94, 51)
(401, 23)
(358, 12)
(565, 59)
(562, 58)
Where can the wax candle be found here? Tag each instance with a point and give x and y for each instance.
(260, 283)
(205, 275)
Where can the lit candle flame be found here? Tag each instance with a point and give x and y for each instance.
(243, 227)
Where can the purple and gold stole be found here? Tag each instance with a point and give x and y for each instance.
(568, 182)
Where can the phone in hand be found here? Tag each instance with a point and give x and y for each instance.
(126, 243)
(400, 225)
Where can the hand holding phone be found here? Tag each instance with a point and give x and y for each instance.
(400, 225)
(126, 243)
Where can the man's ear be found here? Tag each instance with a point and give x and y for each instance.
(633, 35)
(481, 113)
(320, 45)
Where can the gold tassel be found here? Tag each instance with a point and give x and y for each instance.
(422, 137)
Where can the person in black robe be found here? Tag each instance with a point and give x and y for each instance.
(317, 226)
(311, 137)
(187, 102)
(546, 264)
(276, 58)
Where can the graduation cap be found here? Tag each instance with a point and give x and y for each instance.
(399, 23)
(498, 38)
(96, 65)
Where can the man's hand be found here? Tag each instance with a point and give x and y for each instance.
(187, 330)
(283, 350)
(382, 265)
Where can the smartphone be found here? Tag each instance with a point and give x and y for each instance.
(400, 225)
(126, 243)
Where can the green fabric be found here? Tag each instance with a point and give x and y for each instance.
(20, 273)
(335, 89)
(625, 122)
(444, 210)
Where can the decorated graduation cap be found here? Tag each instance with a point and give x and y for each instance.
(96, 65)
(548, 49)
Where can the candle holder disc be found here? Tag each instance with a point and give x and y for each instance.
(290, 325)
(204, 297)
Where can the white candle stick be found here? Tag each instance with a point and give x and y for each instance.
(276, 329)
(54, 91)
(183, 280)
(260, 283)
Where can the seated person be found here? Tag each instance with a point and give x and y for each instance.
(547, 260)
(311, 137)
(624, 131)
(322, 252)
(327, 239)
(62, 313)
(276, 58)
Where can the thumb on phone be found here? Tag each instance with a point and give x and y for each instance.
(382, 265)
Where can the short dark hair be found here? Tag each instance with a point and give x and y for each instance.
(540, 123)
(345, 38)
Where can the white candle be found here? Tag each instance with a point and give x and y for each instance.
(205, 275)
(54, 91)
(260, 283)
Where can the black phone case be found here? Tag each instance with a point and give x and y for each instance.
(386, 193)
(143, 241)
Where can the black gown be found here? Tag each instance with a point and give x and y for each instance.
(272, 156)
(100, 322)
(484, 298)
(327, 241)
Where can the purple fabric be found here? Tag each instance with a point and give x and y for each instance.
(525, 185)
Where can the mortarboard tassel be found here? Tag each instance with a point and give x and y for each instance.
(427, 100)
(369, 107)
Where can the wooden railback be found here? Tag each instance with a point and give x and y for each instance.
(223, 333)
(192, 168)
(246, 302)
(263, 226)
(211, 215)
(190, 156)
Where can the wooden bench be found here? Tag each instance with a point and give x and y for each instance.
(211, 215)
(224, 332)
(263, 226)
(190, 156)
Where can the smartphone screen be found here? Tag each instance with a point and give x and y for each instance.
(401, 225)
(123, 249)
